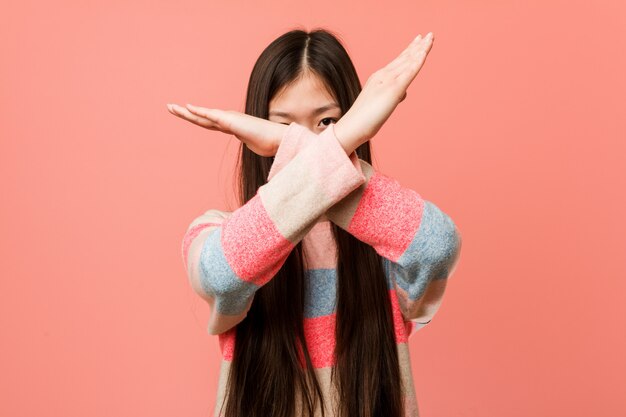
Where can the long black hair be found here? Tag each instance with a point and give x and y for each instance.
(266, 374)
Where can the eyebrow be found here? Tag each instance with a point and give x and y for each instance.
(314, 113)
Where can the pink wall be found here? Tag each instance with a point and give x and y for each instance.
(512, 127)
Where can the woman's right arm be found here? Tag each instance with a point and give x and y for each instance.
(235, 256)
(229, 256)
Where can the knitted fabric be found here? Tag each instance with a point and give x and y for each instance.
(228, 256)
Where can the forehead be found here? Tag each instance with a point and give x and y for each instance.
(302, 96)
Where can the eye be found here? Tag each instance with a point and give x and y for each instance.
(329, 118)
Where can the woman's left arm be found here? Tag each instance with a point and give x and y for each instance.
(419, 243)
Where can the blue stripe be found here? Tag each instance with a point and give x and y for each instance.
(217, 278)
(321, 292)
(430, 255)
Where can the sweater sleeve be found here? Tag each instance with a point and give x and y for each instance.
(419, 243)
(228, 256)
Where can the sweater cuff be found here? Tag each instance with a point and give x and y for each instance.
(295, 138)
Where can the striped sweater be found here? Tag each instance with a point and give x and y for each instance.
(228, 256)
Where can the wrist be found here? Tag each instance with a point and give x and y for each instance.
(276, 134)
(346, 138)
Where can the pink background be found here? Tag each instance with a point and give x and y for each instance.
(512, 127)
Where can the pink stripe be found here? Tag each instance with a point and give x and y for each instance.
(253, 246)
(227, 343)
(389, 234)
(401, 326)
(319, 333)
(190, 235)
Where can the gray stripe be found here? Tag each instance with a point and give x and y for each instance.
(430, 255)
(321, 292)
(217, 278)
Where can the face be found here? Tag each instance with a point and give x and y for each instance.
(306, 102)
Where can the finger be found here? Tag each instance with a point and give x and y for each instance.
(170, 108)
(426, 43)
(409, 69)
(174, 109)
(414, 51)
(211, 114)
(409, 72)
(400, 59)
(185, 114)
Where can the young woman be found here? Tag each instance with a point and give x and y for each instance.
(317, 281)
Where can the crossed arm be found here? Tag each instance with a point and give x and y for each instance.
(229, 256)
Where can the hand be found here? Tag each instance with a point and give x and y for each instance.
(382, 92)
(260, 135)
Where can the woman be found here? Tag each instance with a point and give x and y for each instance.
(324, 249)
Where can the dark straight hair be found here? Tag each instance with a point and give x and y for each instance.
(266, 370)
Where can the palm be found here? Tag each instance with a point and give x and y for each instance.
(382, 92)
(260, 135)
